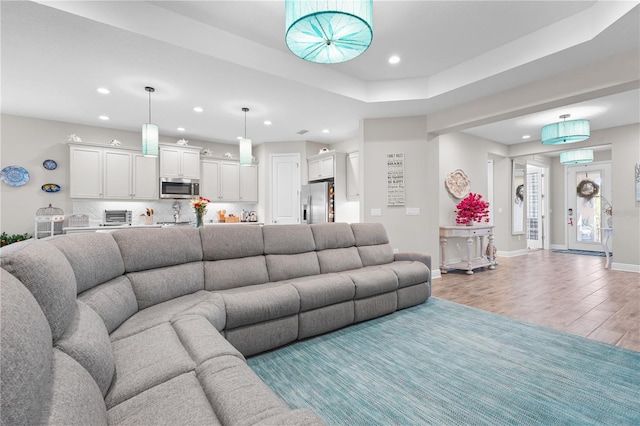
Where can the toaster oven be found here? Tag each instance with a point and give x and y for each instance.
(116, 217)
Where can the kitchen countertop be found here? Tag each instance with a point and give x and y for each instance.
(76, 229)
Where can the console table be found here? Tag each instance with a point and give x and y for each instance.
(471, 233)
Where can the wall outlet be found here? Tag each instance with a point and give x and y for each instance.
(376, 212)
(413, 211)
(396, 251)
(499, 209)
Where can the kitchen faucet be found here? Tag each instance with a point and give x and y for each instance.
(177, 206)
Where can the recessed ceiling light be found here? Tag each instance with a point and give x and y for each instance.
(103, 117)
(103, 90)
(325, 131)
(394, 59)
(198, 109)
(267, 123)
(526, 136)
(181, 129)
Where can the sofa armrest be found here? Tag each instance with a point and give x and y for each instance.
(419, 257)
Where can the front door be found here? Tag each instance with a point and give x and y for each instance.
(588, 192)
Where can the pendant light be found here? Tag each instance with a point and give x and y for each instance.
(149, 132)
(328, 31)
(578, 156)
(566, 131)
(245, 144)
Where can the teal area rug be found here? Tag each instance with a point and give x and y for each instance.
(444, 363)
(583, 252)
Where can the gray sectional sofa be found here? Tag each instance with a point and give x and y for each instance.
(151, 326)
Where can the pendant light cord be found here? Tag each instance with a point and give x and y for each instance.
(150, 90)
(245, 109)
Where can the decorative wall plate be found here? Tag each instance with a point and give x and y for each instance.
(49, 164)
(51, 187)
(457, 183)
(14, 175)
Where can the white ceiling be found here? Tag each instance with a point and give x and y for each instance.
(224, 55)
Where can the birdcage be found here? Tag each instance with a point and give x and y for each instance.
(49, 221)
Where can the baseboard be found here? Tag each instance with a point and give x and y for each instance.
(513, 253)
(558, 247)
(626, 267)
(435, 274)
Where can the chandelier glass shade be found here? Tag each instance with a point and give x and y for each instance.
(566, 131)
(246, 158)
(149, 133)
(328, 31)
(579, 156)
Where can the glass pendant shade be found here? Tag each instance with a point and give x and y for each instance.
(149, 140)
(245, 152)
(566, 132)
(579, 156)
(328, 31)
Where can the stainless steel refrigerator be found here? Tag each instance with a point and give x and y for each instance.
(316, 201)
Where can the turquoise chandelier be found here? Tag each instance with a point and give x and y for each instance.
(566, 131)
(329, 31)
(579, 156)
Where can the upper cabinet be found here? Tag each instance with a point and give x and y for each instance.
(180, 162)
(353, 176)
(228, 181)
(324, 166)
(110, 173)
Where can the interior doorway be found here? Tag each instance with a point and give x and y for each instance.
(285, 188)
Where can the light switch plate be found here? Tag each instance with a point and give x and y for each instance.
(413, 211)
(376, 212)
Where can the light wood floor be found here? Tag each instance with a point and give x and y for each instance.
(566, 292)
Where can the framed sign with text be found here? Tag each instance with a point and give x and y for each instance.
(395, 179)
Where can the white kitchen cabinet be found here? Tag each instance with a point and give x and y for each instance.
(249, 184)
(107, 173)
(321, 167)
(229, 181)
(85, 172)
(145, 183)
(210, 180)
(180, 162)
(353, 176)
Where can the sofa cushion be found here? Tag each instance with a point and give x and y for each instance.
(159, 285)
(369, 234)
(409, 273)
(231, 241)
(231, 273)
(76, 399)
(236, 393)
(114, 301)
(158, 314)
(25, 339)
(94, 257)
(332, 235)
(324, 290)
(372, 281)
(145, 360)
(179, 401)
(46, 273)
(87, 341)
(212, 309)
(287, 239)
(338, 260)
(288, 266)
(144, 249)
(379, 254)
(259, 303)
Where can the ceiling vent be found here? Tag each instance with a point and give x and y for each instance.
(302, 132)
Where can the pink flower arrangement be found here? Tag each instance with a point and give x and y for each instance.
(472, 209)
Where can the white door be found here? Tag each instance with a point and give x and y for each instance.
(285, 188)
(117, 174)
(230, 181)
(588, 191)
(535, 207)
(249, 184)
(210, 180)
(145, 177)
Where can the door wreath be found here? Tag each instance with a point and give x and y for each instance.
(587, 189)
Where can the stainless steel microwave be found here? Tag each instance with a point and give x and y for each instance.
(179, 188)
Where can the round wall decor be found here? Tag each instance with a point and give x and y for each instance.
(457, 183)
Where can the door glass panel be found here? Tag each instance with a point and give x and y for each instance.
(588, 219)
